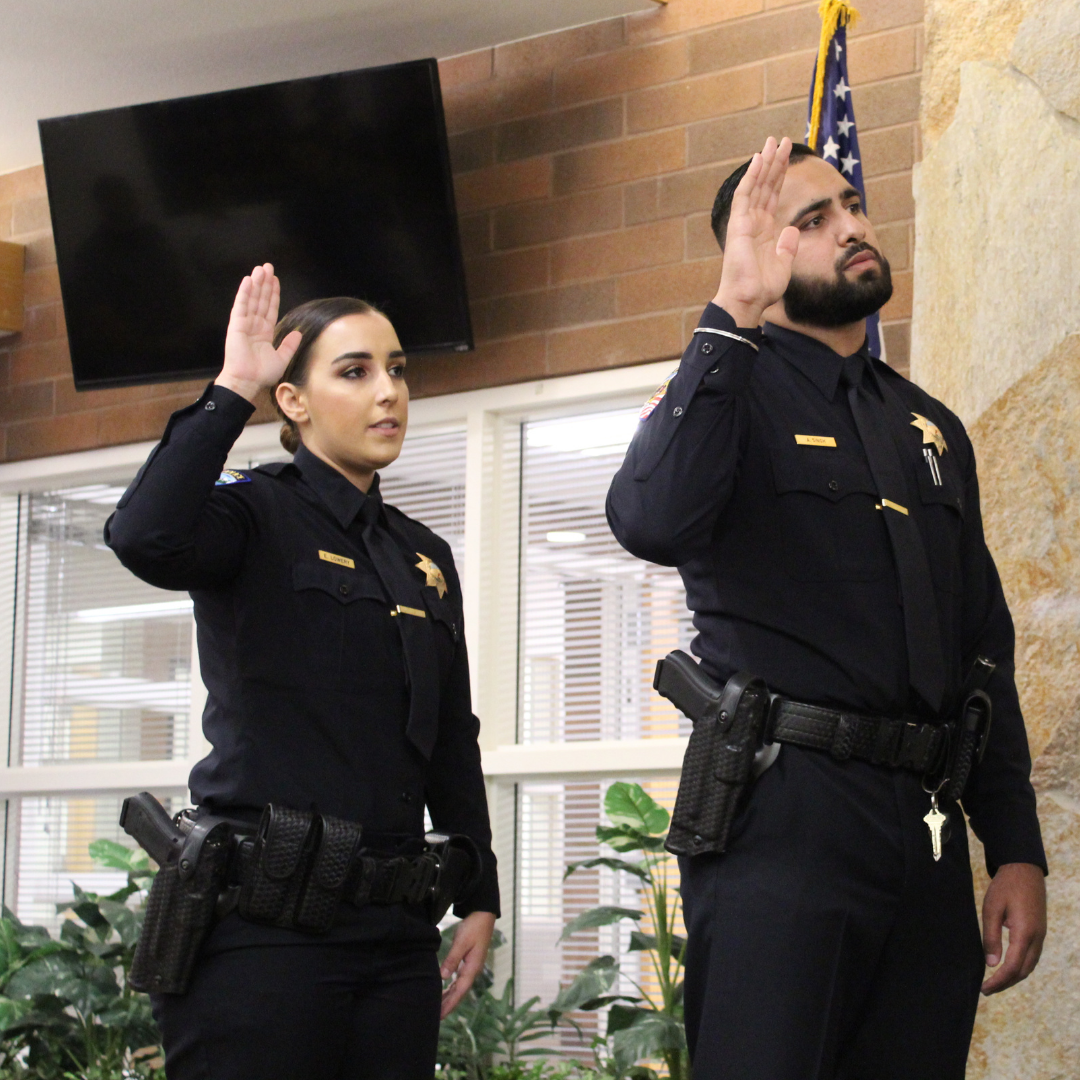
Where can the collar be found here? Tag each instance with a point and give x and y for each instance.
(345, 500)
(820, 364)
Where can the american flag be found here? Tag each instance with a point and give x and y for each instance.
(831, 117)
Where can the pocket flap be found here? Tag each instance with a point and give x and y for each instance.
(343, 584)
(947, 493)
(832, 474)
(284, 835)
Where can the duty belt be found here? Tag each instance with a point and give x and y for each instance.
(899, 743)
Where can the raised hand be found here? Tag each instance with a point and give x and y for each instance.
(251, 361)
(757, 255)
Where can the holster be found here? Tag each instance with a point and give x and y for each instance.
(180, 910)
(970, 736)
(717, 766)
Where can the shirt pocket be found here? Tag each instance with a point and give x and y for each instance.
(943, 522)
(447, 623)
(341, 613)
(831, 529)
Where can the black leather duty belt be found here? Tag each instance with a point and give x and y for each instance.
(881, 740)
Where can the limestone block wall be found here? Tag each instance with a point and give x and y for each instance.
(996, 335)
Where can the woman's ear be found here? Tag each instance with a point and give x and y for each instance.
(291, 402)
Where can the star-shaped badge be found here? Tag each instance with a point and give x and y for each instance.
(931, 433)
(434, 574)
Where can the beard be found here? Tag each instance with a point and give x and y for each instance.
(839, 302)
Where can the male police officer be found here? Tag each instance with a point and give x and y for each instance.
(824, 516)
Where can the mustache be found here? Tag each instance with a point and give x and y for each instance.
(857, 250)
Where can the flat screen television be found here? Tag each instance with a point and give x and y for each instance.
(341, 181)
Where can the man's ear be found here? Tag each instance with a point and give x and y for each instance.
(291, 402)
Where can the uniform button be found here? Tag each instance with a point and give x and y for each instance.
(707, 348)
(210, 406)
(406, 796)
(833, 485)
(343, 589)
(677, 411)
(714, 370)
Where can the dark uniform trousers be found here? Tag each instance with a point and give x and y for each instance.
(269, 1004)
(826, 942)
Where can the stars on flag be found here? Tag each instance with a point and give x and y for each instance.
(841, 89)
(844, 126)
(847, 164)
(830, 149)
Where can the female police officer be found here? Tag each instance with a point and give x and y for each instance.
(330, 642)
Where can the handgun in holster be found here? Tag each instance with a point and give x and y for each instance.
(971, 729)
(192, 863)
(729, 726)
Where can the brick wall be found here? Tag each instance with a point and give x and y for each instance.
(586, 162)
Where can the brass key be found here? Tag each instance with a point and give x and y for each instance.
(935, 821)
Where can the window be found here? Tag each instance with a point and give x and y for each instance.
(564, 630)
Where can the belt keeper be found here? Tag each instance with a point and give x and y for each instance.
(843, 737)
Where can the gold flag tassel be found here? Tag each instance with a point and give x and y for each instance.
(834, 13)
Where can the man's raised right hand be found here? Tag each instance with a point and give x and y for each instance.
(757, 253)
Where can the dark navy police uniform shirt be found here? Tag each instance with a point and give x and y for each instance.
(750, 477)
(308, 699)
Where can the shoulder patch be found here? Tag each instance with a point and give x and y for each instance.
(658, 396)
(232, 476)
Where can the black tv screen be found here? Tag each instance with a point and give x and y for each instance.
(341, 181)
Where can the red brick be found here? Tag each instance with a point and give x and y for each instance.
(886, 103)
(684, 15)
(695, 99)
(617, 344)
(700, 241)
(687, 192)
(40, 251)
(744, 134)
(898, 345)
(887, 150)
(614, 163)
(889, 199)
(42, 285)
(5, 221)
(575, 215)
(32, 363)
(616, 253)
(466, 68)
(40, 324)
(788, 77)
(26, 401)
(506, 272)
(617, 72)
(54, 435)
(475, 233)
(480, 105)
(545, 51)
(759, 38)
(500, 185)
(561, 130)
(550, 308)
(875, 15)
(5, 366)
(920, 47)
(494, 363)
(30, 216)
(125, 424)
(899, 307)
(883, 56)
(669, 287)
(134, 398)
(24, 184)
(472, 150)
(894, 242)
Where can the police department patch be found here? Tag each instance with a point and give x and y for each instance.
(658, 396)
(232, 476)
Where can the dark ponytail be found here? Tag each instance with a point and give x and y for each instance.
(311, 319)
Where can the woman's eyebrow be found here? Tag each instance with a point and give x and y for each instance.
(352, 356)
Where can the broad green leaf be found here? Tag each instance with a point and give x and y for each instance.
(639, 942)
(11, 1012)
(624, 838)
(621, 1017)
(598, 916)
(637, 869)
(650, 1034)
(631, 804)
(110, 853)
(591, 982)
(122, 919)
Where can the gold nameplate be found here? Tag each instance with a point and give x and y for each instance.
(815, 440)
(894, 506)
(401, 609)
(340, 560)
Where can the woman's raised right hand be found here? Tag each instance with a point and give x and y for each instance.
(251, 361)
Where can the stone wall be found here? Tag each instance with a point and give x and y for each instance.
(996, 335)
(585, 163)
